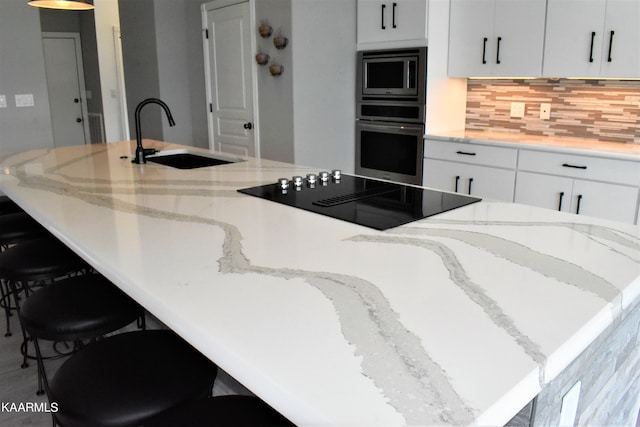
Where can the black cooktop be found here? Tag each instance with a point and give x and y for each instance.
(376, 204)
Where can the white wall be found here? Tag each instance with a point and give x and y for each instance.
(22, 71)
(307, 115)
(323, 45)
(173, 76)
(446, 98)
(275, 94)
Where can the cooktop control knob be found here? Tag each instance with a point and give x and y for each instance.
(297, 182)
(324, 177)
(283, 184)
(311, 180)
(336, 174)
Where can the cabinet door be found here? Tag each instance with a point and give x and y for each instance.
(574, 37)
(621, 43)
(480, 181)
(518, 38)
(545, 191)
(392, 21)
(372, 20)
(471, 40)
(408, 20)
(609, 201)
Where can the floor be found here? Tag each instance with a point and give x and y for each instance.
(18, 386)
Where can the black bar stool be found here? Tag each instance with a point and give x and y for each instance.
(15, 228)
(79, 308)
(128, 378)
(34, 262)
(232, 410)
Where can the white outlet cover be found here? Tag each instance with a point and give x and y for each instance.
(545, 111)
(3, 101)
(517, 109)
(24, 100)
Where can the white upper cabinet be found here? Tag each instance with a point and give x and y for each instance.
(594, 38)
(496, 38)
(391, 24)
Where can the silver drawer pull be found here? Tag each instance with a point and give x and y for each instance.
(567, 165)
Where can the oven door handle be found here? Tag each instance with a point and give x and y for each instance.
(410, 127)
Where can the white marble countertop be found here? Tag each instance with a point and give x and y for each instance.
(456, 319)
(614, 150)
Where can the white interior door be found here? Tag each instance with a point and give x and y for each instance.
(65, 83)
(229, 74)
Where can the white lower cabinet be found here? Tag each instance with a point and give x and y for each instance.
(484, 171)
(481, 181)
(560, 189)
(578, 196)
(592, 185)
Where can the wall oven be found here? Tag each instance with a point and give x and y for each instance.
(392, 151)
(390, 113)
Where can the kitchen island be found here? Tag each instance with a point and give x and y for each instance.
(457, 319)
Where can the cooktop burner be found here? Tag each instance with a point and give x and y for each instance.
(376, 204)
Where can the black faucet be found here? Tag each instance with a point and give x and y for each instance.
(140, 152)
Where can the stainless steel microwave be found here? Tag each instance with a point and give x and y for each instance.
(392, 73)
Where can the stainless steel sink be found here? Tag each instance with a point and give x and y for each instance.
(185, 159)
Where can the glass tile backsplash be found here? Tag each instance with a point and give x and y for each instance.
(602, 110)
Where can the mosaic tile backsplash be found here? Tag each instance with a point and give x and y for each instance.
(602, 110)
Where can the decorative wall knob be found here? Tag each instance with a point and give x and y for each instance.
(276, 69)
(262, 58)
(265, 30)
(280, 42)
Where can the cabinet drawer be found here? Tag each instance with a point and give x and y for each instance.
(481, 181)
(471, 153)
(575, 166)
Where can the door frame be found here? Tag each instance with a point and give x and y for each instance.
(218, 4)
(80, 70)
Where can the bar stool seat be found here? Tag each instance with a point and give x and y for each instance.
(30, 262)
(232, 410)
(79, 308)
(127, 378)
(15, 228)
(38, 259)
(18, 227)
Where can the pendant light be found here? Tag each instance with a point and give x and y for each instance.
(62, 4)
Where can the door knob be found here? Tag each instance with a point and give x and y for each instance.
(247, 125)
(78, 120)
(76, 100)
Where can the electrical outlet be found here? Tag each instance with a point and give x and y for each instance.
(545, 111)
(24, 100)
(517, 109)
(569, 406)
(3, 101)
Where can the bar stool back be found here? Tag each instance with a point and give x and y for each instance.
(80, 308)
(127, 378)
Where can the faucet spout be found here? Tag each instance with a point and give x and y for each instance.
(140, 153)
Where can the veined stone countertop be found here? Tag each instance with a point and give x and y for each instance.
(616, 150)
(456, 319)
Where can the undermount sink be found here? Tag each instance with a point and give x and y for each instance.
(184, 159)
